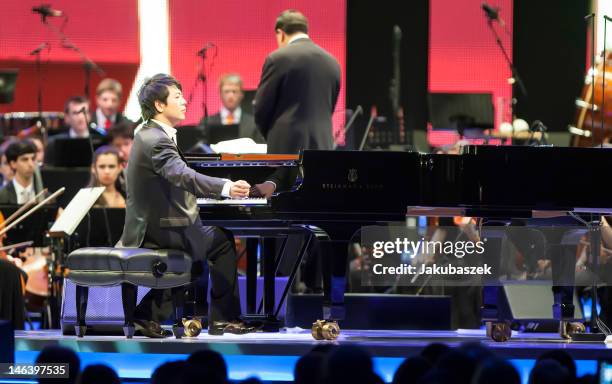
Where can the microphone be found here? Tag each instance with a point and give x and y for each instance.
(45, 10)
(492, 13)
(39, 48)
(202, 51)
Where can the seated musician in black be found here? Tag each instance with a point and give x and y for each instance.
(12, 287)
(162, 210)
(21, 158)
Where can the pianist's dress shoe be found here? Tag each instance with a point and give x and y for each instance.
(151, 329)
(218, 328)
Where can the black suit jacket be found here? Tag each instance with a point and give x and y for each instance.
(246, 128)
(8, 195)
(296, 97)
(161, 191)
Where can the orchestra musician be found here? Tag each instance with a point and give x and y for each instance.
(162, 211)
(296, 96)
(20, 156)
(108, 98)
(231, 113)
(105, 170)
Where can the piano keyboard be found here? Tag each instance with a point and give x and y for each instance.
(242, 202)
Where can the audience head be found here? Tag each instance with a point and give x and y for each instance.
(108, 96)
(434, 351)
(169, 373)
(161, 98)
(205, 366)
(456, 366)
(56, 354)
(251, 380)
(99, 374)
(350, 364)
(232, 93)
(309, 368)
(122, 138)
(496, 371)
(74, 117)
(548, 371)
(20, 156)
(563, 358)
(289, 23)
(411, 370)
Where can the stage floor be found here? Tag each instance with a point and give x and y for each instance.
(271, 356)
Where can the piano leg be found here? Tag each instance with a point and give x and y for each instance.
(497, 323)
(334, 258)
(563, 274)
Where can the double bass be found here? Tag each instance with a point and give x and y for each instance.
(587, 130)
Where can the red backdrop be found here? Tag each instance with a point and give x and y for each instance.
(463, 55)
(107, 31)
(243, 32)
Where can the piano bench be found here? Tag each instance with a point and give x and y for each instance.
(129, 267)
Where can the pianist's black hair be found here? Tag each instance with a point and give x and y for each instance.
(155, 89)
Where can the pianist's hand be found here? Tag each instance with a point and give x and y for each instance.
(239, 189)
(265, 189)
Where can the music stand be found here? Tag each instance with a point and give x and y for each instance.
(73, 152)
(8, 80)
(219, 132)
(467, 113)
(75, 211)
(33, 228)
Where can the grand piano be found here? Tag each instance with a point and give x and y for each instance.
(336, 193)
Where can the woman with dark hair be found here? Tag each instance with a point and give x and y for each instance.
(105, 170)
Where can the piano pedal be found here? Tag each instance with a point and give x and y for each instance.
(325, 330)
(567, 329)
(499, 331)
(193, 327)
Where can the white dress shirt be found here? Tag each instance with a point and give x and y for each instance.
(171, 132)
(101, 119)
(24, 194)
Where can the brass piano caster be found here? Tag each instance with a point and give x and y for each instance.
(567, 329)
(498, 331)
(325, 330)
(193, 327)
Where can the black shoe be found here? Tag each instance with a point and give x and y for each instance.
(151, 329)
(218, 328)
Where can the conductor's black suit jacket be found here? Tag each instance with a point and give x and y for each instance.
(296, 98)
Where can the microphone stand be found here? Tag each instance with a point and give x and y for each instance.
(41, 122)
(104, 212)
(88, 64)
(513, 70)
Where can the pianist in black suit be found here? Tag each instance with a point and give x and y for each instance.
(231, 113)
(297, 93)
(162, 211)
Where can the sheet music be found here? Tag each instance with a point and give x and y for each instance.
(78, 207)
(239, 146)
